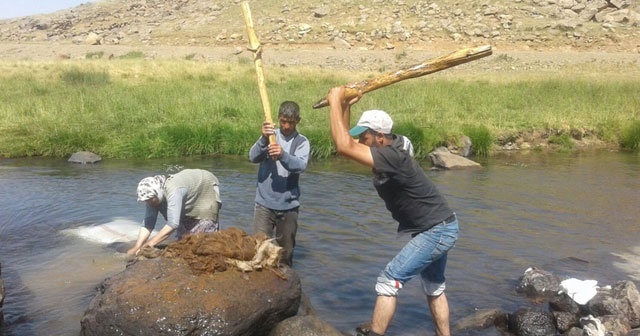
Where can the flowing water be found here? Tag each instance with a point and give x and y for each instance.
(575, 215)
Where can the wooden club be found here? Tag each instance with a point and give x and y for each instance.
(256, 48)
(425, 68)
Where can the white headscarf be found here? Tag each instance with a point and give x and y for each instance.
(150, 187)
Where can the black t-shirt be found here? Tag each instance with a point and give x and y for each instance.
(414, 201)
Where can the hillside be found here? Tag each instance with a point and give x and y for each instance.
(177, 28)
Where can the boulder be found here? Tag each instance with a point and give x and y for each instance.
(532, 322)
(163, 297)
(84, 157)
(621, 300)
(195, 287)
(305, 323)
(93, 39)
(536, 282)
(443, 158)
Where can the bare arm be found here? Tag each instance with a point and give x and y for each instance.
(340, 112)
(149, 222)
(174, 214)
(162, 235)
(143, 235)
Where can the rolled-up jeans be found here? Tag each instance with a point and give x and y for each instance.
(425, 255)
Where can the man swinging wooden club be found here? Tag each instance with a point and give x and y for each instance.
(412, 198)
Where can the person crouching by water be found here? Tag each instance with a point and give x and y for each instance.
(188, 200)
(413, 200)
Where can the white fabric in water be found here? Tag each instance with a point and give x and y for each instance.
(581, 291)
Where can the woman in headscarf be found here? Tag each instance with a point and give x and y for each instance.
(189, 201)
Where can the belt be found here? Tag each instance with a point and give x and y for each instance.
(450, 219)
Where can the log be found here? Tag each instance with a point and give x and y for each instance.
(417, 70)
(256, 48)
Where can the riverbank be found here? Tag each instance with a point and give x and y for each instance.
(164, 102)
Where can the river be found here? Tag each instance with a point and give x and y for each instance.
(576, 215)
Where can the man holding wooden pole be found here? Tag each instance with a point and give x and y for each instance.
(283, 154)
(278, 192)
(413, 200)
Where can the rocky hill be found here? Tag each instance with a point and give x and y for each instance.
(595, 25)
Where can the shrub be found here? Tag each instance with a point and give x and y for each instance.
(481, 139)
(630, 137)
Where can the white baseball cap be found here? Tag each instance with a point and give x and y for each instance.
(376, 120)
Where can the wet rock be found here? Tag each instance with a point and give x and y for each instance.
(537, 282)
(565, 321)
(482, 319)
(164, 297)
(84, 157)
(443, 158)
(563, 303)
(612, 311)
(309, 325)
(615, 324)
(530, 322)
(621, 300)
(221, 283)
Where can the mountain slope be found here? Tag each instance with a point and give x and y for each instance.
(595, 25)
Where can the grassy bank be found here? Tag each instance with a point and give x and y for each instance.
(132, 107)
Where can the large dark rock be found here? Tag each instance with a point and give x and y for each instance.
(531, 322)
(305, 323)
(309, 325)
(622, 300)
(536, 282)
(164, 297)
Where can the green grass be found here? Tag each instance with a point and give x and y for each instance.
(131, 107)
(481, 139)
(563, 141)
(133, 55)
(630, 138)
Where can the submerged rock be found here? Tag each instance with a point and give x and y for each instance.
(84, 157)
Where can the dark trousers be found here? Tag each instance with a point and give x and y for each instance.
(281, 225)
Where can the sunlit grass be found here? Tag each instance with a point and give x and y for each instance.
(630, 137)
(140, 108)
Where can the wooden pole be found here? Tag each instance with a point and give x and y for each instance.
(427, 67)
(256, 48)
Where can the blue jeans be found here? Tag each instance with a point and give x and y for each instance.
(426, 255)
